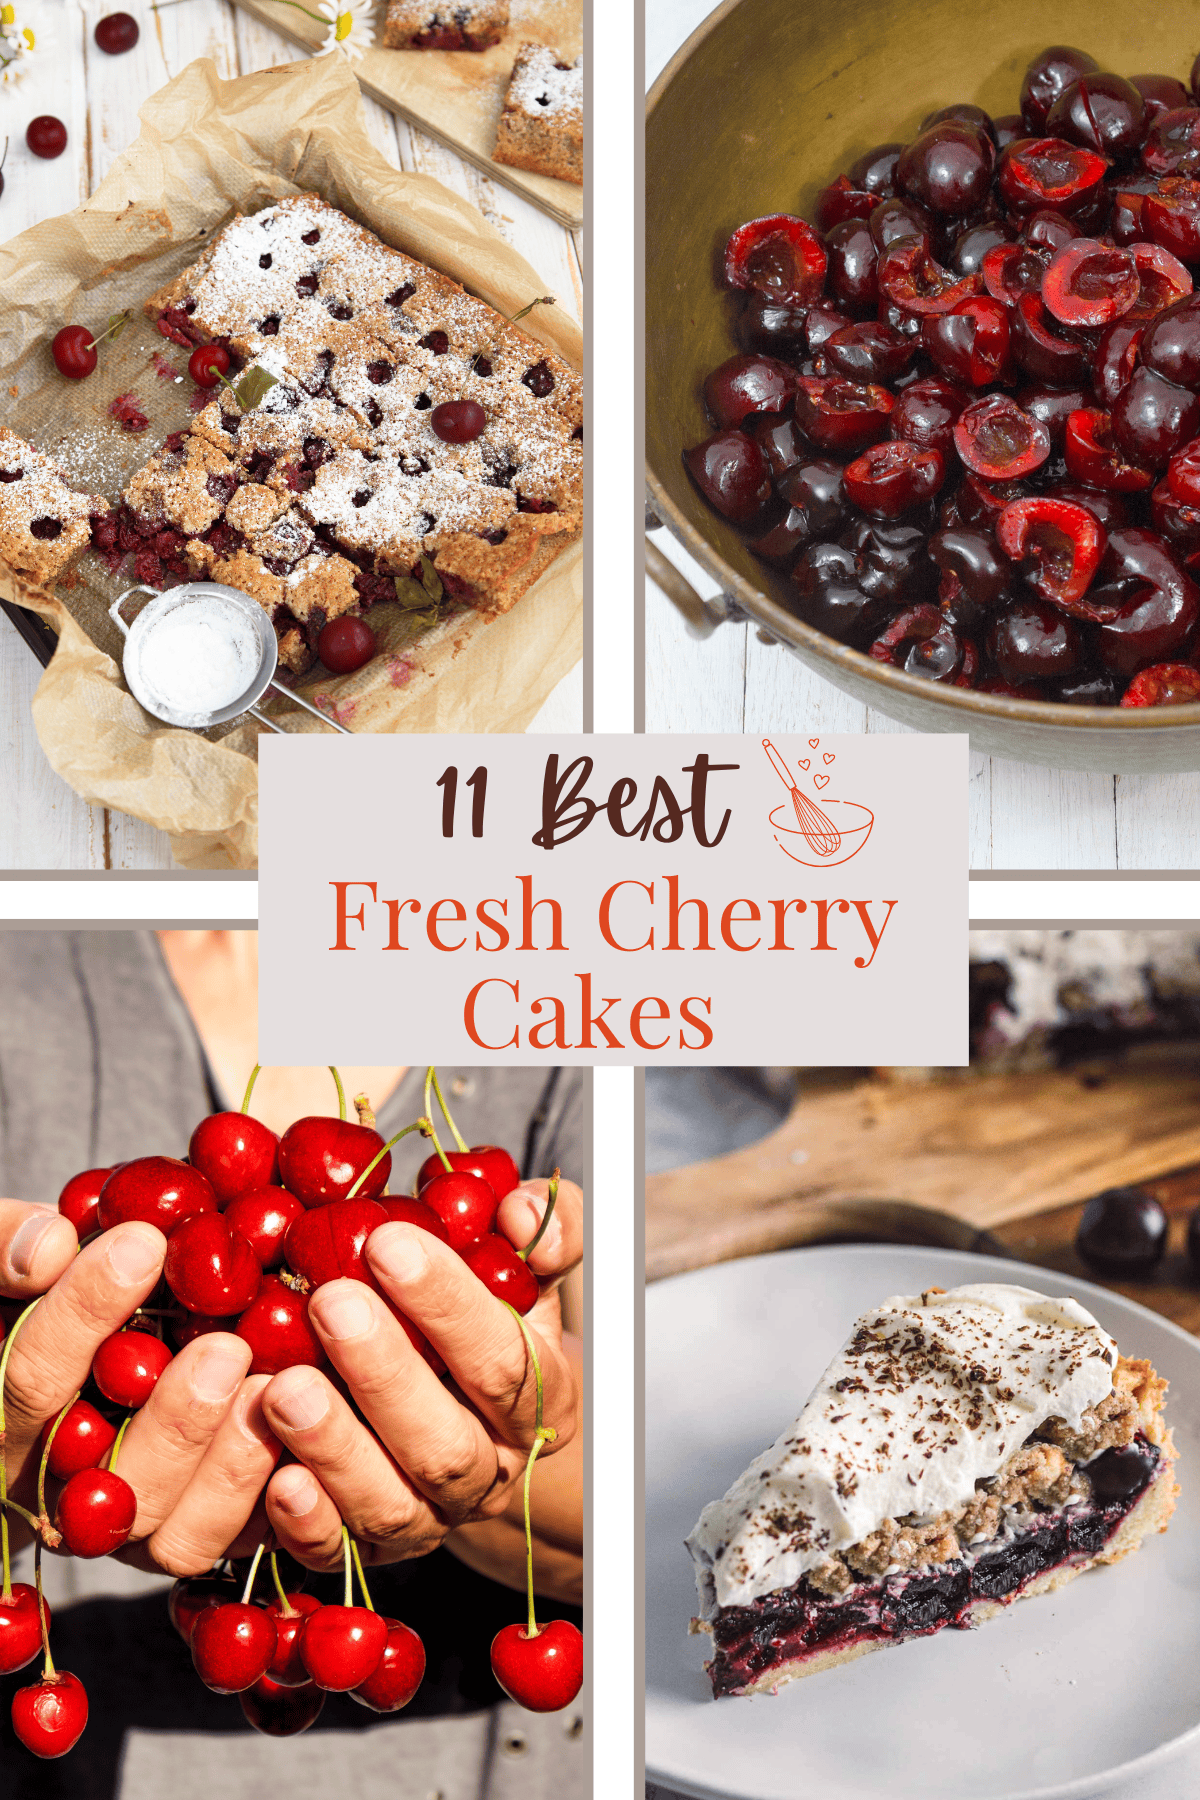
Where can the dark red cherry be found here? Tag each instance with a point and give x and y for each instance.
(972, 245)
(900, 217)
(925, 412)
(46, 136)
(321, 1158)
(127, 1366)
(116, 32)
(1171, 343)
(948, 168)
(1040, 348)
(502, 1272)
(748, 384)
(1157, 605)
(207, 364)
(963, 112)
(327, 1242)
(1115, 359)
(542, 1673)
(1162, 94)
(780, 254)
(232, 1646)
(95, 1514)
(869, 352)
(160, 1190)
(875, 170)
(74, 352)
(1152, 418)
(998, 441)
(1048, 231)
(342, 1646)
(20, 1629)
(262, 1219)
(1093, 457)
(210, 1267)
(1052, 407)
(821, 321)
(285, 1666)
(49, 1717)
(235, 1152)
(731, 473)
(458, 421)
(192, 1595)
(768, 325)
(923, 642)
(1049, 75)
(1046, 172)
(840, 201)
(1183, 474)
(1164, 684)
(345, 644)
(891, 478)
(82, 1441)
(464, 1203)
(853, 257)
(1058, 546)
(842, 416)
(79, 1201)
(910, 278)
(1172, 145)
(399, 1672)
(1171, 217)
(1090, 283)
(969, 344)
(1100, 112)
(277, 1329)
(972, 566)
(279, 1711)
(1030, 640)
(1123, 1232)
(1162, 281)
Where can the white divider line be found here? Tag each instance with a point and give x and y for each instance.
(1098, 902)
(103, 901)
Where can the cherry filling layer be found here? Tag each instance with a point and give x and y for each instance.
(800, 1621)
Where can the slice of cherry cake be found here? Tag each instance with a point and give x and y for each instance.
(963, 1450)
(43, 521)
(446, 25)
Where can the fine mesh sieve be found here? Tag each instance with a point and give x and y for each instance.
(235, 623)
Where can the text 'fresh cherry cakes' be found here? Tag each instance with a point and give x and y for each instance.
(965, 1449)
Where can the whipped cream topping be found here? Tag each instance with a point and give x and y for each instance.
(929, 1396)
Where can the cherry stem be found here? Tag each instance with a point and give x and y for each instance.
(285, 1605)
(437, 1088)
(7, 1506)
(4, 1500)
(362, 1580)
(417, 1125)
(254, 1074)
(348, 1568)
(538, 1235)
(446, 1163)
(48, 1670)
(543, 1434)
(341, 1090)
(118, 324)
(116, 1449)
(258, 1556)
(42, 1466)
(6, 1593)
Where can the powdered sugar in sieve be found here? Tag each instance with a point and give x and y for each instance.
(197, 656)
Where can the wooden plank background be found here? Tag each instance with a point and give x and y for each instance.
(43, 823)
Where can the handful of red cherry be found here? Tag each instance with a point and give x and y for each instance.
(254, 1223)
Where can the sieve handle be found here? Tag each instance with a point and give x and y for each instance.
(114, 611)
(284, 693)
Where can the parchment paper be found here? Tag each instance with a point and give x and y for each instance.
(209, 148)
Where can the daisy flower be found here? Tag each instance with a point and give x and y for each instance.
(26, 35)
(350, 29)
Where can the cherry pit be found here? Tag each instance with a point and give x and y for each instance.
(963, 423)
(254, 1223)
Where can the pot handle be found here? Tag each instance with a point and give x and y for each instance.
(701, 616)
(114, 611)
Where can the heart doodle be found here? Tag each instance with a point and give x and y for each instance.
(827, 756)
(813, 742)
(821, 780)
(804, 764)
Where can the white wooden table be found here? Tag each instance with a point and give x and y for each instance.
(43, 823)
(1022, 817)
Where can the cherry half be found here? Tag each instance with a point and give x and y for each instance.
(210, 1267)
(399, 1674)
(321, 1158)
(342, 1646)
(542, 1673)
(780, 255)
(96, 1510)
(49, 1718)
(160, 1190)
(127, 1366)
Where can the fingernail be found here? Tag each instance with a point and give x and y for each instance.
(27, 1237)
(397, 1250)
(299, 1398)
(343, 1313)
(218, 1372)
(295, 1491)
(135, 1252)
(535, 1207)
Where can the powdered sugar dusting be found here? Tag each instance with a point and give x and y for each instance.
(543, 88)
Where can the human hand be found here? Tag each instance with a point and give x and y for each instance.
(432, 1455)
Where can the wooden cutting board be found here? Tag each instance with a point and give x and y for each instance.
(457, 95)
(941, 1161)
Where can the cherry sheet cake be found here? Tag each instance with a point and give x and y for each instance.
(336, 486)
(965, 1449)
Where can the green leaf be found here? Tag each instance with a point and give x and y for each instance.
(253, 388)
(413, 598)
(116, 324)
(431, 581)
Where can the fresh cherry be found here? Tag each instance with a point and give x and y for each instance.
(320, 1159)
(542, 1673)
(279, 1711)
(232, 1646)
(276, 1327)
(488, 1161)
(1048, 76)
(413, 1212)
(46, 136)
(207, 364)
(96, 1510)
(127, 1366)
(748, 384)
(1030, 640)
(82, 1441)
(285, 1666)
(116, 32)
(327, 1242)
(1123, 1232)
(49, 1718)
(235, 1153)
(345, 644)
(502, 1272)
(210, 1267)
(160, 1190)
(399, 1673)
(342, 1646)
(192, 1325)
(731, 473)
(79, 1201)
(74, 352)
(20, 1631)
(458, 421)
(262, 1218)
(193, 1595)
(465, 1203)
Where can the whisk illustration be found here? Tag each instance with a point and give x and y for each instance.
(818, 828)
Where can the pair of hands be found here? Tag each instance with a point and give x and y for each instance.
(203, 1455)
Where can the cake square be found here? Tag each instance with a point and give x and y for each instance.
(447, 25)
(541, 126)
(43, 521)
